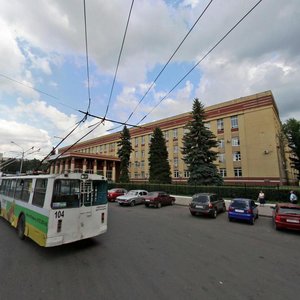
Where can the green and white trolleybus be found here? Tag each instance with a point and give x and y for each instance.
(55, 209)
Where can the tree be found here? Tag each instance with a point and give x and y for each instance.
(197, 150)
(159, 167)
(124, 154)
(291, 129)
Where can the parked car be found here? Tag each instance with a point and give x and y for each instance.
(243, 209)
(207, 204)
(286, 215)
(114, 193)
(132, 197)
(158, 199)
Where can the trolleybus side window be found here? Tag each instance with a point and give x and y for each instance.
(100, 192)
(39, 192)
(23, 189)
(65, 193)
(11, 188)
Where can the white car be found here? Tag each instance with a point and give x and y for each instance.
(132, 198)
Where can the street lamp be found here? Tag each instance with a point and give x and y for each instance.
(23, 152)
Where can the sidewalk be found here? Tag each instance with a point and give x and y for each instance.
(264, 211)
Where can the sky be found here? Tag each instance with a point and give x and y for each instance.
(45, 80)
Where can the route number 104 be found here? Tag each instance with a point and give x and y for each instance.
(59, 214)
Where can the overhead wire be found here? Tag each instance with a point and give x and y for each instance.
(88, 87)
(172, 89)
(87, 112)
(168, 61)
(38, 90)
(119, 58)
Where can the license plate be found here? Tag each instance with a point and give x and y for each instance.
(239, 210)
(199, 206)
(147, 200)
(292, 221)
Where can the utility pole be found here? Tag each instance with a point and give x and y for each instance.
(23, 153)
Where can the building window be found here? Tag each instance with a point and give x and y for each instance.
(166, 135)
(143, 153)
(175, 149)
(186, 173)
(235, 141)
(223, 172)
(143, 174)
(143, 140)
(234, 122)
(149, 138)
(220, 125)
(136, 154)
(221, 157)
(238, 172)
(136, 164)
(175, 133)
(175, 162)
(136, 175)
(136, 141)
(176, 174)
(237, 156)
(142, 164)
(221, 143)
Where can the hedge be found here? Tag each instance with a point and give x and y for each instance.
(272, 194)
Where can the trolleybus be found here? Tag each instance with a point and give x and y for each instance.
(55, 209)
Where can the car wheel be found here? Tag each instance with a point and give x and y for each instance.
(132, 203)
(158, 205)
(256, 216)
(146, 204)
(252, 220)
(214, 214)
(230, 219)
(21, 227)
(193, 213)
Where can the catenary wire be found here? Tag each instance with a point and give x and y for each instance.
(200, 60)
(166, 64)
(119, 58)
(87, 112)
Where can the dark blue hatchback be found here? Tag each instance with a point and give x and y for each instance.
(243, 209)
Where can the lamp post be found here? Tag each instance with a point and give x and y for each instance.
(23, 152)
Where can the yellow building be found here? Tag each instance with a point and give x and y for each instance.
(247, 130)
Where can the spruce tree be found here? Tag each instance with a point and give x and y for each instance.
(124, 154)
(159, 167)
(197, 150)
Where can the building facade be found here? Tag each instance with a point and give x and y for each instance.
(248, 131)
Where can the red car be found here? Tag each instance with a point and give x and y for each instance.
(286, 215)
(114, 193)
(158, 199)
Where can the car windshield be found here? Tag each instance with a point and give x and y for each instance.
(152, 194)
(200, 198)
(132, 193)
(239, 204)
(289, 210)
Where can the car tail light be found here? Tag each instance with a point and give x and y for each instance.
(249, 211)
(210, 205)
(230, 208)
(277, 219)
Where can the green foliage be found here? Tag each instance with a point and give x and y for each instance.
(197, 150)
(291, 129)
(124, 154)
(29, 165)
(159, 167)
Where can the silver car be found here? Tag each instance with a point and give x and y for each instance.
(132, 198)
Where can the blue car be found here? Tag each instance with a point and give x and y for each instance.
(243, 209)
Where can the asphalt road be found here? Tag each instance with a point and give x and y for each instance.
(153, 253)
